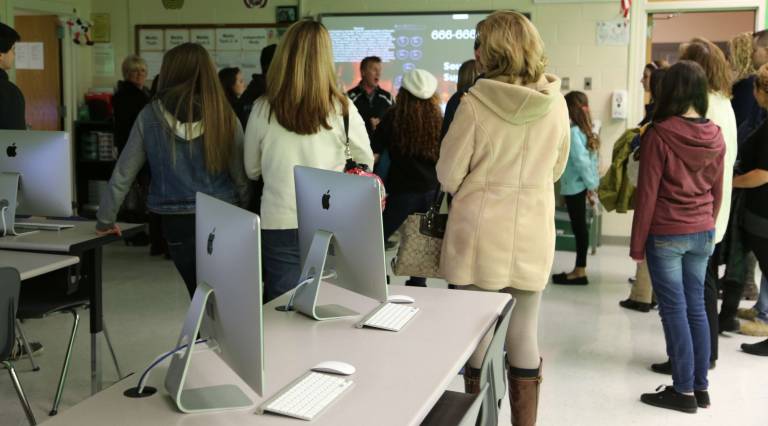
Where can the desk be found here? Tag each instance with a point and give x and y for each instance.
(80, 241)
(399, 377)
(31, 265)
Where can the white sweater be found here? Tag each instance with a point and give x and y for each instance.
(721, 113)
(272, 151)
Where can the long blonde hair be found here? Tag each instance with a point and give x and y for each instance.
(510, 47)
(301, 81)
(189, 89)
(740, 48)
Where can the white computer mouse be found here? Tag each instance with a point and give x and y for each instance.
(400, 298)
(334, 367)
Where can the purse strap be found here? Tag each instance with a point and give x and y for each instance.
(347, 149)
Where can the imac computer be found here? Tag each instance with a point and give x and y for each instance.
(226, 307)
(340, 229)
(35, 175)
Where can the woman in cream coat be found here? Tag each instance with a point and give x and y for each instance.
(506, 147)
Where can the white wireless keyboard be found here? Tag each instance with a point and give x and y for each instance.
(390, 316)
(309, 396)
(42, 226)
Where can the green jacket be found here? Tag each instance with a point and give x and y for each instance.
(616, 192)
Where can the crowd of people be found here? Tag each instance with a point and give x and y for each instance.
(507, 136)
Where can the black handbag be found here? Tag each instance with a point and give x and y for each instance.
(433, 222)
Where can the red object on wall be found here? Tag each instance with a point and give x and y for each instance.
(625, 6)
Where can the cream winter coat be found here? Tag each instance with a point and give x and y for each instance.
(506, 147)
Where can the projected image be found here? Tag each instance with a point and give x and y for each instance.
(438, 43)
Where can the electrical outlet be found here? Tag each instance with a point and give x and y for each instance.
(587, 83)
(565, 83)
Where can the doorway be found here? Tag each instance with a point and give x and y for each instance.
(39, 77)
(668, 30)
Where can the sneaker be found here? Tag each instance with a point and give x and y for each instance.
(702, 399)
(635, 306)
(19, 351)
(666, 367)
(759, 348)
(671, 399)
(758, 327)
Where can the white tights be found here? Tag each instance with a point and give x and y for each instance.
(522, 342)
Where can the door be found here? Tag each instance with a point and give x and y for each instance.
(41, 87)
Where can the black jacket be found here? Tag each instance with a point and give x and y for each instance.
(407, 174)
(12, 105)
(256, 88)
(375, 106)
(128, 102)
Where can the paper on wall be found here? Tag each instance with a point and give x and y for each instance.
(174, 38)
(204, 37)
(228, 39)
(254, 38)
(151, 40)
(30, 56)
(154, 62)
(613, 33)
(103, 60)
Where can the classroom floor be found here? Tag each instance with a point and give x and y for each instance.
(596, 354)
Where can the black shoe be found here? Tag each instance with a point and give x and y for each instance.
(702, 399)
(564, 280)
(731, 325)
(635, 306)
(671, 399)
(759, 348)
(666, 367)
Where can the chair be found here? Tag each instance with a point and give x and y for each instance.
(10, 282)
(44, 298)
(453, 407)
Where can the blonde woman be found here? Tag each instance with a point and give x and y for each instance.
(192, 141)
(743, 72)
(299, 122)
(508, 144)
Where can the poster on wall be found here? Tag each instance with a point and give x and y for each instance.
(151, 40)
(154, 62)
(254, 38)
(29, 56)
(204, 37)
(104, 60)
(101, 31)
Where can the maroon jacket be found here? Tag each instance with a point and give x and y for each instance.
(681, 180)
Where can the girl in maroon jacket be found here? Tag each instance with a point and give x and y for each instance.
(677, 200)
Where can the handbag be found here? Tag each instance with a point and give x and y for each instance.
(351, 167)
(421, 242)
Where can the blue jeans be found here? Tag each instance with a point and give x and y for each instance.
(179, 231)
(762, 300)
(281, 261)
(678, 265)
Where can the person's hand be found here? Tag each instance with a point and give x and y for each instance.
(375, 122)
(115, 229)
(591, 196)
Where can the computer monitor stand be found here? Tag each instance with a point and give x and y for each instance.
(305, 300)
(211, 398)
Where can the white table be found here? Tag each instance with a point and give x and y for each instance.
(399, 377)
(80, 241)
(31, 265)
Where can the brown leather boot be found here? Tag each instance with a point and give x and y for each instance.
(524, 398)
(471, 379)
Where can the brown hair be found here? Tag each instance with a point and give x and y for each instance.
(511, 47)
(656, 64)
(417, 124)
(190, 90)
(578, 105)
(369, 60)
(741, 48)
(467, 75)
(712, 60)
(301, 81)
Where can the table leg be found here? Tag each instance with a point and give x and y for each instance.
(92, 268)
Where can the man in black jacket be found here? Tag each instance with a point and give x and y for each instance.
(11, 100)
(372, 101)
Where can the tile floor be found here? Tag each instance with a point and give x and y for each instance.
(596, 354)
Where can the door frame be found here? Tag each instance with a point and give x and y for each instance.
(68, 64)
(638, 39)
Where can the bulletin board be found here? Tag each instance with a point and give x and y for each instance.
(230, 45)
